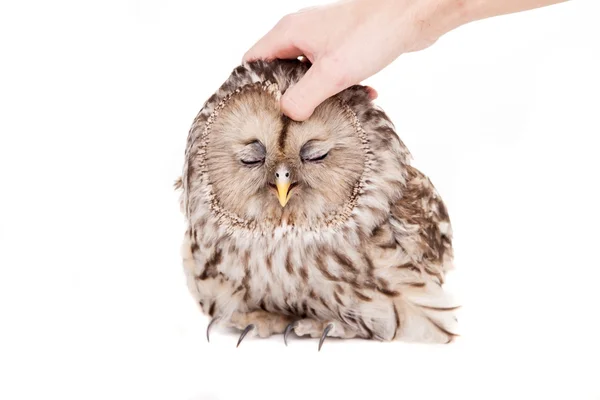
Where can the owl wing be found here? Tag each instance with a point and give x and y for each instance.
(421, 226)
(414, 251)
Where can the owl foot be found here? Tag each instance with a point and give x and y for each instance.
(324, 335)
(212, 321)
(249, 328)
(258, 323)
(317, 329)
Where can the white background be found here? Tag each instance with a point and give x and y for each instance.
(96, 99)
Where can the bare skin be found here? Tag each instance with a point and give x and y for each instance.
(351, 40)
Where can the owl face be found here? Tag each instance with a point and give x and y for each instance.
(268, 169)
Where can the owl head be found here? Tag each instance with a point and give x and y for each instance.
(260, 168)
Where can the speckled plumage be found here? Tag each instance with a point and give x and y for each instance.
(363, 244)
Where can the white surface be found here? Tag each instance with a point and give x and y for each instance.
(96, 100)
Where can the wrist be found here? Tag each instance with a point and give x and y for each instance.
(447, 15)
(431, 19)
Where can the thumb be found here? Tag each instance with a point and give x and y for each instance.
(318, 84)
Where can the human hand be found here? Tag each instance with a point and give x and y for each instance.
(349, 41)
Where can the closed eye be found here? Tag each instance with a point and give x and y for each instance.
(314, 151)
(317, 158)
(252, 162)
(253, 154)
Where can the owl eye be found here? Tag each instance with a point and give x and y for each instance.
(314, 151)
(252, 162)
(315, 158)
(253, 154)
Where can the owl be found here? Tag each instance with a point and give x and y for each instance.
(319, 228)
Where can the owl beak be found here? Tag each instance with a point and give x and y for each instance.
(283, 192)
(283, 183)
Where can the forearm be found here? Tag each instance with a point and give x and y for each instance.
(480, 9)
(453, 13)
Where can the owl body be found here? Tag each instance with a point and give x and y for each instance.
(322, 225)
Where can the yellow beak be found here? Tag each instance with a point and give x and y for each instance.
(283, 192)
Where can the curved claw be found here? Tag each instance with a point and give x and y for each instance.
(244, 333)
(287, 331)
(324, 335)
(212, 321)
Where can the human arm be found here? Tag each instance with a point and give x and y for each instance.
(351, 40)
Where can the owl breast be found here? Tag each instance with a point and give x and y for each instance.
(332, 273)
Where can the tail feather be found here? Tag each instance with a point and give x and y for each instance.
(427, 314)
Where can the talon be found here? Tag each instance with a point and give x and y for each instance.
(324, 335)
(244, 333)
(212, 321)
(287, 331)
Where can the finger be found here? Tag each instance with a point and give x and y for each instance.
(319, 83)
(372, 93)
(271, 51)
(275, 44)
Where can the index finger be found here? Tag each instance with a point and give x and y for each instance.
(277, 43)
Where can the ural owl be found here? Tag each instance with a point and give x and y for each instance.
(320, 227)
